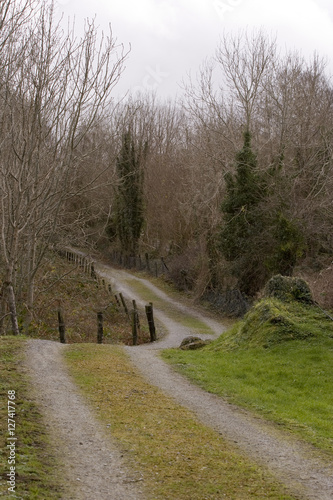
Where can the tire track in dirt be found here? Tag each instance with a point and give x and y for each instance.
(176, 332)
(92, 464)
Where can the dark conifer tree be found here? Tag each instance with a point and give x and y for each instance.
(242, 220)
(129, 217)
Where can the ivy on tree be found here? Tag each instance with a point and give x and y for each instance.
(289, 246)
(129, 216)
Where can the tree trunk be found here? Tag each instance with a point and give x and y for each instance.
(31, 283)
(12, 307)
(2, 311)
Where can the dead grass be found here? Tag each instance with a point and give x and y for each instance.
(175, 456)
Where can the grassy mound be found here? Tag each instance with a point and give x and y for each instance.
(286, 313)
(272, 321)
(277, 362)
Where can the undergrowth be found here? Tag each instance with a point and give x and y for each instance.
(64, 284)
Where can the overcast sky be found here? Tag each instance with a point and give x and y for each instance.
(170, 38)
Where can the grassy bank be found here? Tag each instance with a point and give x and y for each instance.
(62, 283)
(36, 473)
(277, 362)
(175, 456)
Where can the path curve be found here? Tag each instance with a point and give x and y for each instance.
(93, 466)
(175, 331)
(293, 462)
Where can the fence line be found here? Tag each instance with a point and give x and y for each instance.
(87, 265)
(155, 267)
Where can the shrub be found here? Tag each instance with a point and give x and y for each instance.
(286, 288)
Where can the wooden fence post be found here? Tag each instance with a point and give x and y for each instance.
(62, 328)
(164, 264)
(151, 324)
(92, 271)
(135, 326)
(99, 328)
(123, 303)
(147, 261)
(137, 314)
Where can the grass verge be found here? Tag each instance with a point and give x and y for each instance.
(35, 467)
(177, 457)
(276, 362)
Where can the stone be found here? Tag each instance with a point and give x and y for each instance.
(191, 343)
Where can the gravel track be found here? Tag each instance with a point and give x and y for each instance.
(93, 464)
(293, 462)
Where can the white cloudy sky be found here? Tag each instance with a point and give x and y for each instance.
(169, 38)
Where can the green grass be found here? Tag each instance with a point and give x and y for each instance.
(175, 456)
(277, 362)
(37, 476)
(191, 322)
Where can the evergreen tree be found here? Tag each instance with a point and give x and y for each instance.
(243, 221)
(289, 246)
(129, 217)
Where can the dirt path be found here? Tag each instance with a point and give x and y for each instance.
(93, 465)
(175, 331)
(294, 463)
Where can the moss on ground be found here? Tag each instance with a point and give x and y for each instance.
(271, 322)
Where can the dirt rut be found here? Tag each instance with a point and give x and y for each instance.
(93, 466)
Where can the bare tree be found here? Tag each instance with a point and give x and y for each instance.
(55, 89)
(245, 61)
